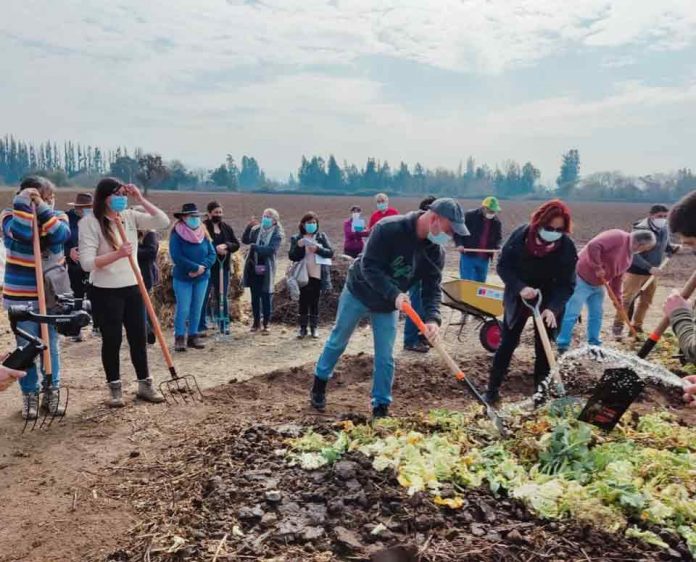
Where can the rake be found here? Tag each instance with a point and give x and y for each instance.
(184, 385)
(407, 309)
(47, 385)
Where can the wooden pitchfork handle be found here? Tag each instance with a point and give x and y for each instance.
(148, 302)
(620, 309)
(41, 291)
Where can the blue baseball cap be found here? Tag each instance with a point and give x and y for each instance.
(449, 209)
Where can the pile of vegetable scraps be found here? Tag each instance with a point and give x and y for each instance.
(640, 479)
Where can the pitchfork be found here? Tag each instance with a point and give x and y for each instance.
(184, 385)
(46, 360)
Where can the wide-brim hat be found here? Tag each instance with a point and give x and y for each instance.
(188, 210)
(82, 200)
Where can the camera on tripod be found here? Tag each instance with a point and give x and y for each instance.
(69, 316)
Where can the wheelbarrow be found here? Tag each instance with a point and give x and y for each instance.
(482, 301)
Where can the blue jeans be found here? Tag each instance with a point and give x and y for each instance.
(30, 382)
(189, 302)
(212, 295)
(473, 268)
(411, 334)
(350, 312)
(588, 294)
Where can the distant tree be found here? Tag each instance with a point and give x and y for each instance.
(179, 177)
(124, 168)
(370, 175)
(250, 177)
(530, 175)
(402, 180)
(334, 176)
(418, 178)
(470, 165)
(570, 172)
(151, 171)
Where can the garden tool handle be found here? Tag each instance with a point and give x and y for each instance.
(41, 292)
(544, 337)
(656, 334)
(146, 299)
(620, 309)
(651, 279)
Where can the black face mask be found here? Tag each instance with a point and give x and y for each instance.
(216, 219)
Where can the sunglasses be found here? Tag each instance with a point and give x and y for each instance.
(551, 229)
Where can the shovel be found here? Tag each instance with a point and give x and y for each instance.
(656, 334)
(620, 309)
(46, 359)
(184, 385)
(407, 309)
(644, 287)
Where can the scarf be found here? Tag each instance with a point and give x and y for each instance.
(538, 248)
(187, 234)
(265, 235)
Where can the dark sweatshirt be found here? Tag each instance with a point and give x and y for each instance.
(393, 261)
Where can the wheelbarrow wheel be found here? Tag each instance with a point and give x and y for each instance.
(490, 335)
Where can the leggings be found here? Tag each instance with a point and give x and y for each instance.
(260, 300)
(309, 302)
(118, 308)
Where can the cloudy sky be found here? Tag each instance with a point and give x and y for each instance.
(416, 80)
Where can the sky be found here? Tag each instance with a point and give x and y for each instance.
(430, 81)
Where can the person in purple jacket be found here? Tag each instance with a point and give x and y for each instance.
(354, 231)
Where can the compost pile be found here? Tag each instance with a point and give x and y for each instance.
(437, 486)
(285, 310)
(163, 297)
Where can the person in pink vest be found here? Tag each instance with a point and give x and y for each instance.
(604, 259)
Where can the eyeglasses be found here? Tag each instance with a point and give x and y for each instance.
(551, 229)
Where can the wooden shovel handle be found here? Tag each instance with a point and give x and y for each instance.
(546, 343)
(686, 292)
(41, 291)
(146, 299)
(620, 309)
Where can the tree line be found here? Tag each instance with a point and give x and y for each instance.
(81, 165)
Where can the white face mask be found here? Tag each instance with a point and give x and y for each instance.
(355, 216)
(659, 223)
(489, 215)
(549, 235)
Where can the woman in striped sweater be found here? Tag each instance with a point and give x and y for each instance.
(20, 278)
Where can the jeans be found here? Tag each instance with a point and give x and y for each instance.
(260, 301)
(588, 294)
(210, 302)
(30, 382)
(189, 302)
(384, 324)
(411, 334)
(510, 339)
(309, 303)
(473, 268)
(119, 308)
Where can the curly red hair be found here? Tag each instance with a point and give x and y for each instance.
(551, 210)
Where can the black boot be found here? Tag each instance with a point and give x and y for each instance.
(302, 333)
(491, 397)
(317, 396)
(380, 411)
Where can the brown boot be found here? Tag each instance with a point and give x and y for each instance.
(179, 343)
(194, 342)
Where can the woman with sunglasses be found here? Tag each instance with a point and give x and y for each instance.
(116, 300)
(537, 261)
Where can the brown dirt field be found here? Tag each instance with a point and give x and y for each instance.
(69, 493)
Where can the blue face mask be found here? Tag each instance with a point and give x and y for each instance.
(267, 222)
(382, 206)
(310, 227)
(193, 222)
(118, 203)
(86, 212)
(549, 235)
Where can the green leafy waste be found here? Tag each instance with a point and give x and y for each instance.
(643, 474)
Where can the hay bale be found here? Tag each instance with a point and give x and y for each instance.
(163, 297)
(286, 311)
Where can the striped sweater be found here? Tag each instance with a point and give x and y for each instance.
(17, 229)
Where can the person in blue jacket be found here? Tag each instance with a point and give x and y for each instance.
(193, 255)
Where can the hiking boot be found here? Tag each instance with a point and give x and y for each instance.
(265, 331)
(491, 397)
(313, 332)
(179, 343)
(151, 338)
(148, 392)
(256, 326)
(115, 395)
(194, 342)
(302, 332)
(30, 406)
(313, 323)
(418, 347)
(380, 411)
(317, 396)
(77, 339)
(51, 402)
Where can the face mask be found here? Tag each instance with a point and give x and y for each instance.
(441, 239)
(355, 216)
(118, 203)
(193, 222)
(549, 235)
(659, 223)
(310, 227)
(489, 215)
(267, 222)
(381, 206)
(86, 212)
(216, 219)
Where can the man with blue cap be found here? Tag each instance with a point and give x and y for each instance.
(400, 252)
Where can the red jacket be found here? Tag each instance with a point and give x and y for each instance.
(379, 215)
(610, 251)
